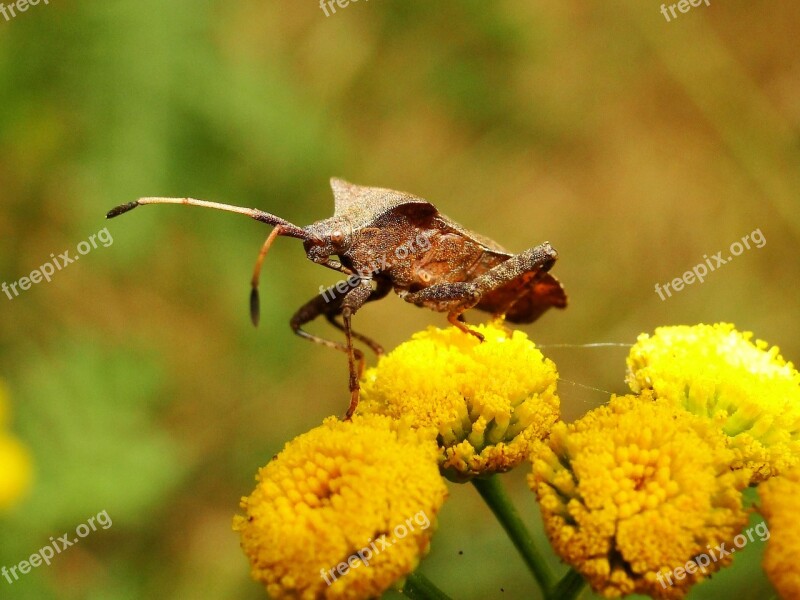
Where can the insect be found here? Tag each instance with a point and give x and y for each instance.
(382, 240)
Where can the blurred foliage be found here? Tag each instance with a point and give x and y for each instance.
(634, 145)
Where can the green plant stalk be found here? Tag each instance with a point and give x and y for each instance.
(495, 496)
(419, 587)
(568, 588)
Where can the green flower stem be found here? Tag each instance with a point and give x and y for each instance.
(493, 493)
(568, 588)
(419, 587)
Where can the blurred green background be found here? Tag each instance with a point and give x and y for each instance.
(635, 145)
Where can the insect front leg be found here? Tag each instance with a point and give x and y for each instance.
(355, 299)
(342, 300)
(384, 286)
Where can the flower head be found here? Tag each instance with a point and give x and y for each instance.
(15, 471)
(634, 490)
(745, 387)
(343, 511)
(487, 401)
(3, 406)
(780, 504)
(15, 462)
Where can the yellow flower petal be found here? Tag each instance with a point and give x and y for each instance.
(780, 504)
(3, 405)
(344, 511)
(745, 387)
(634, 490)
(16, 471)
(486, 401)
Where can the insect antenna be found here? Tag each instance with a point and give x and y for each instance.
(282, 227)
(255, 303)
(259, 215)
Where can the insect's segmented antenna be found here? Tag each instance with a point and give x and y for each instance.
(255, 305)
(122, 208)
(282, 227)
(259, 215)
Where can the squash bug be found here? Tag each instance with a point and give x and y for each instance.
(385, 240)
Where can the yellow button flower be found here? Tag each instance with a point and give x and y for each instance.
(634, 491)
(15, 462)
(3, 406)
(486, 401)
(344, 511)
(15, 471)
(780, 504)
(745, 387)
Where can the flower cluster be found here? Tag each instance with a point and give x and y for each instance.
(635, 491)
(487, 401)
(640, 495)
(15, 462)
(780, 504)
(326, 517)
(745, 387)
(333, 492)
(634, 488)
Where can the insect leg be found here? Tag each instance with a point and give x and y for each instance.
(539, 258)
(355, 299)
(457, 319)
(456, 297)
(525, 298)
(384, 287)
(330, 303)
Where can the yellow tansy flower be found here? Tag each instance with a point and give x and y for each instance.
(15, 471)
(745, 387)
(635, 490)
(15, 462)
(344, 511)
(3, 406)
(780, 504)
(487, 401)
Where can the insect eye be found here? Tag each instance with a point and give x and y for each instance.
(337, 237)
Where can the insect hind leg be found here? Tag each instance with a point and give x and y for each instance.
(498, 290)
(526, 298)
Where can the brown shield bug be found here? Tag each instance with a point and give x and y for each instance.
(386, 240)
